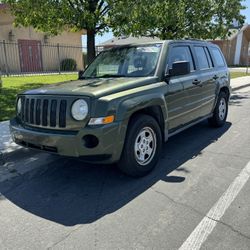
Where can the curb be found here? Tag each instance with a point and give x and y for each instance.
(241, 87)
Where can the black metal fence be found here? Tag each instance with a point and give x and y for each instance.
(33, 57)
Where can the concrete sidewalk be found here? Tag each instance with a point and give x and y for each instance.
(239, 69)
(6, 143)
(240, 82)
(8, 146)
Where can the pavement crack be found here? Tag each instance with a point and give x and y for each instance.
(65, 237)
(230, 227)
(203, 215)
(179, 203)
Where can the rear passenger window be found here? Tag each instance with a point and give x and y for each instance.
(218, 57)
(202, 57)
(181, 53)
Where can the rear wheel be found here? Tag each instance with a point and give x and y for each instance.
(142, 146)
(220, 112)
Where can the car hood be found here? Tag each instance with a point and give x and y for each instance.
(93, 87)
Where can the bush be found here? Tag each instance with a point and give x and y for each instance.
(68, 64)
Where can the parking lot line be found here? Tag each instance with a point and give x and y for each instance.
(208, 223)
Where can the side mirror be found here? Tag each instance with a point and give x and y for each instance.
(180, 68)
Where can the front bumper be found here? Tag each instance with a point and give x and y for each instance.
(110, 141)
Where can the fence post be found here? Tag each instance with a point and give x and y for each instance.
(5, 59)
(59, 61)
(248, 56)
(1, 83)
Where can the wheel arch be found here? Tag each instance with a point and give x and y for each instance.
(156, 112)
(226, 90)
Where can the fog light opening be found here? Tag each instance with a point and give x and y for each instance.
(90, 141)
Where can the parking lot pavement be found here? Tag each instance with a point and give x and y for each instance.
(66, 204)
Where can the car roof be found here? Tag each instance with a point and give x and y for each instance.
(184, 41)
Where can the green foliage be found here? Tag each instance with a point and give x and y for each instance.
(166, 19)
(54, 16)
(68, 64)
(170, 19)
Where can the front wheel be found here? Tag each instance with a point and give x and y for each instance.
(142, 146)
(220, 112)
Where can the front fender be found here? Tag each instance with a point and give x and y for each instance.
(128, 107)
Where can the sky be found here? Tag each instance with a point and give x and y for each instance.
(109, 35)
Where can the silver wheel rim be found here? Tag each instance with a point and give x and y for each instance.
(145, 146)
(222, 109)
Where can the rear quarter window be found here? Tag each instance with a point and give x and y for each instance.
(218, 58)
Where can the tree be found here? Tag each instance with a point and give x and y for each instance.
(53, 16)
(174, 19)
(166, 19)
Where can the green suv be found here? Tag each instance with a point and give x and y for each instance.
(127, 102)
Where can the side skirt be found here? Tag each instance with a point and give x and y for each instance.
(189, 125)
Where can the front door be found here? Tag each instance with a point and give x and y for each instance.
(183, 110)
(30, 55)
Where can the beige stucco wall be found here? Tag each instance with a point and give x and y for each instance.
(69, 42)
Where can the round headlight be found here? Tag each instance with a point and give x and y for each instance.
(79, 109)
(19, 106)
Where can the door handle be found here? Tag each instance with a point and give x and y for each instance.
(215, 77)
(196, 82)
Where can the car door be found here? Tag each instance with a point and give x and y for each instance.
(177, 97)
(206, 77)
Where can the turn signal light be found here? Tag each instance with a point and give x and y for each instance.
(102, 120)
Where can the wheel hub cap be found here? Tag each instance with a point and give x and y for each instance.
(222, 108)
(145, 146)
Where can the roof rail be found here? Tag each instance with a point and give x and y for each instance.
(194, 39)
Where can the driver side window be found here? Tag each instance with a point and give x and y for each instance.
(181, 53)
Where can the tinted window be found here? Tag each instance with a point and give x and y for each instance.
(217, 57)
(181, 53)
(202, 57)
(209, 58)
(130, 61)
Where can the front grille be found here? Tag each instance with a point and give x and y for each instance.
(44, 112)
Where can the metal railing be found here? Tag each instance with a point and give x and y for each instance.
(34, 57)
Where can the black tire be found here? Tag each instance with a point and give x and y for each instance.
(217, 120)
(129, 162)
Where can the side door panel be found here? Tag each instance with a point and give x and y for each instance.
(201, 98)
(174, 98)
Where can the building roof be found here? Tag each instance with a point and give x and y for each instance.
(127, 40)
(235, 32)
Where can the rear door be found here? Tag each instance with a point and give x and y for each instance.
(221, 72)
(207, 78)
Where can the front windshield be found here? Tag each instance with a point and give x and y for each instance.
(132, 61)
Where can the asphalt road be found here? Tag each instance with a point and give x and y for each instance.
(66, 204)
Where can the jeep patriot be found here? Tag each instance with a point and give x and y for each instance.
(126, 103)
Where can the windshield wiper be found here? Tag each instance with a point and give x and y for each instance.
(110, 75)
